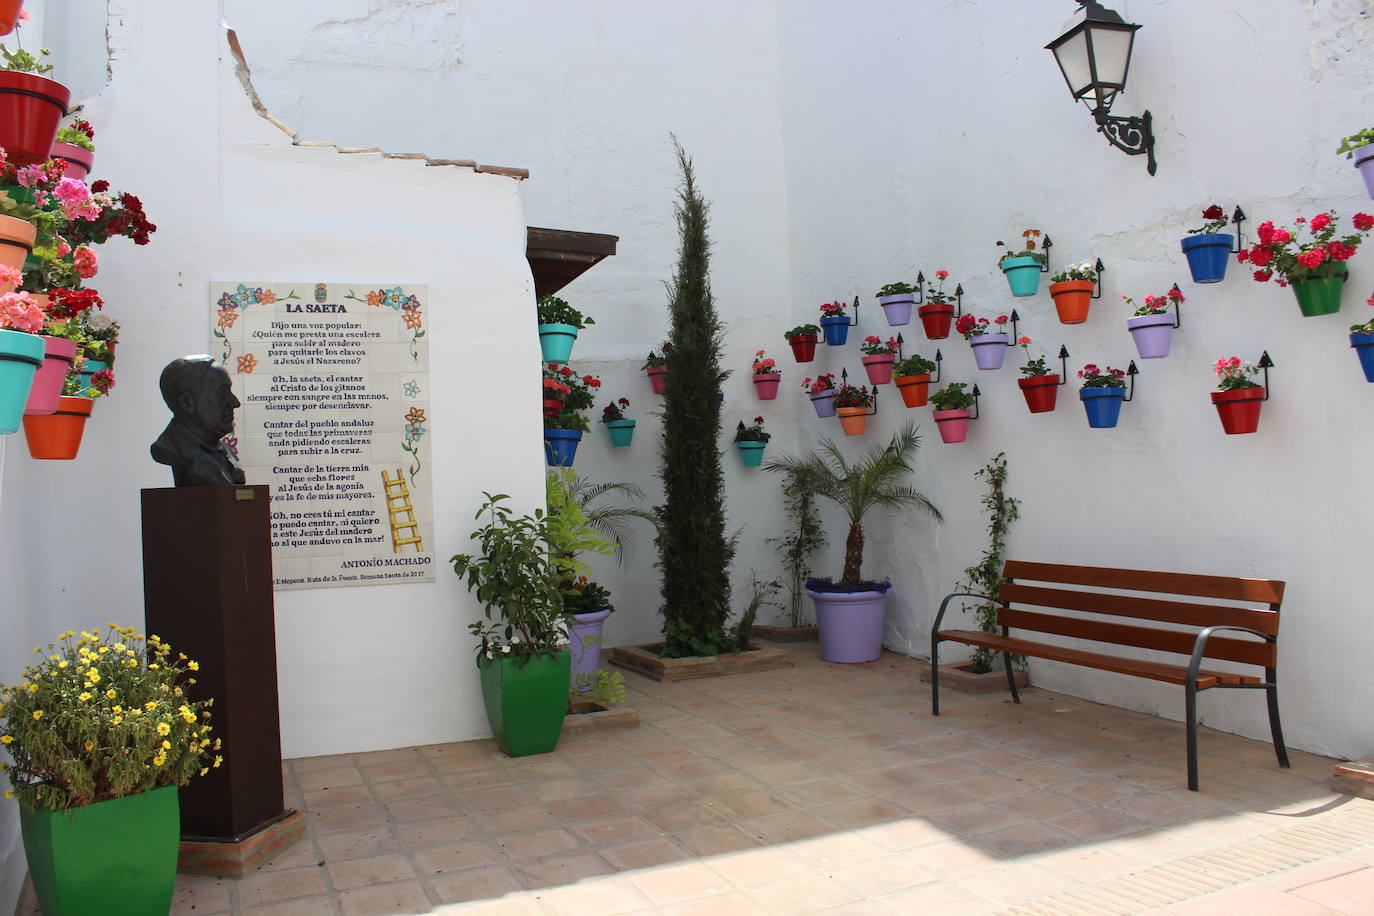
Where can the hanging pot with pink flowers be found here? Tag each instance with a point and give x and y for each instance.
(656, 367)
(1151, 325)
(766, 376)
(1314, 267)
(1238, 397)
(879, 356)
(989, 346)
(821, 390)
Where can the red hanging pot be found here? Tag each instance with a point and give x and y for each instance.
(552, 408)
(1239, 409)
(803, 347)
(658, 378)
(936, 320)
(1040, 392)
(9, 15)
(30, 108)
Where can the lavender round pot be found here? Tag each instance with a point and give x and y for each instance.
(584, 642)
(851, 624)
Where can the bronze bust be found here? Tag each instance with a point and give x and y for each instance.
(199, 393)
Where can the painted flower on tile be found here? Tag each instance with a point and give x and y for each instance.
(247, 363)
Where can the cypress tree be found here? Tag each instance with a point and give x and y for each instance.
(694, 553)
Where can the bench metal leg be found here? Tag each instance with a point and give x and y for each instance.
(1011, 678)
(935, 677)
(1271, 691)
(1190, 700)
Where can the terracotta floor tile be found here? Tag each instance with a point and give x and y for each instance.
(432, 833)
(329, 797)
(202, 894)
(407, 897)
(301, 765)
(1349, 893)
(687, 816)
(654, 798)
(536, 844)
(717, 840)
(636, 778)
(786, 828)
(300, 906)
(475, 884)
(587, 808)
(674, 885)
(259, 888)
(733, 904)
(432, 807)
(603, 897)
(335, 777)
(758, 866)
(563, 869)
(407, 788)
(524, 817)
(861, 812)
(1261, 901)
(563, 789)
(802, 894)
(880, 877)
(435, 860)
(645, 854)
(357, 844)
(750, 805)
(837, 850)
(364, 872)
(353, 817)
(616, 831)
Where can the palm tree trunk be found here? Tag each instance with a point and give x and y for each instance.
(853, 555)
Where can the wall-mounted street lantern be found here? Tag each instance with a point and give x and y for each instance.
(1095, 56)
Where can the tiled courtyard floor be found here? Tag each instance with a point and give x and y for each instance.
(820, 788)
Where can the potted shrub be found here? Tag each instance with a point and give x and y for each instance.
(1072, 289)
(621, 428)
(1360, 147)
(835, 323)
(879, 356)
(1207, 248)
(989, 347)
(1362, 339)
(912, 376)
(750, 440)
(1023, 268)
(1151, 325)
(525, 673)
(952, 413)
(101, 733)
(803, 339)
(57, 436)
(766, 376)
(1040, 387)
(851, 612)
(656, 367)
(31, 105)
(559, 323)
(853, 404)
(563, 429)
(1238, 396)
(75, 146)
(938, 312)
(22, 351)
(1314, 268)
(1102, 394)
(821, 391)
(897, 300)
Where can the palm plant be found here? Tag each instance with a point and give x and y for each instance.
(610, 522)
(873, 480)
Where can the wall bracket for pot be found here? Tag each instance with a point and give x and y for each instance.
(1264, 363)
(920, 287)
(1063, 364)
(976, 393)
(1097, 291)
(1045, 247)
(1011, 340)
(958, 300)
(1237, 218)
(900, 343)
(844, 380)
(854, 319)
(1178, 314)
(1131, 373)
(939, 361)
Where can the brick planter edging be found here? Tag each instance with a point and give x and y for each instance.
(1354, 778)
(596, 718)
(234, 860)
(787, 634)
(956, 676)
(646, 661)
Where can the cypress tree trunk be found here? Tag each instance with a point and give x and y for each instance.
(694, 553)
(853, 555)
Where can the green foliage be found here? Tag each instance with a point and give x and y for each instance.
(895, 289)
(516, 581)
(753, 433)
(760, 593)
(22, 61)
(586, 596)
(1355, 141)
(915, 364)
(953, 396)
(609, 521)
(553, 310)
(76, 137)
(802, 330)
(568, 531)
(694, 553)
(796, 547)
(102, 717)
(856, 488)
(985, 576)
(602, 686)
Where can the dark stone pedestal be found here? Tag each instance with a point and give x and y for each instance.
(207, 583)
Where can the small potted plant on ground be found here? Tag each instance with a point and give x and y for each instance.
(31, 105)
(587, 604)
(525, 673)
(75, 146)
(558, 327)
(656, 367)
(1362, 339)
(835, 323)
(750, 440)
(879, 356)
(1315, 268)
(1040, 386)
(821, 391)
(1238, 396)
(897, 300)
(101, 733)
(912, 377)
(22, 351)
(851, 612)
(1102, 394)
(1151, 325)
(1022, 268)
(938, 312)
(1207, 248)
(1360, 147)
(1072, 289)
(621, 428)
(989, 347)
(563, 430)
(853, 404)
(803, 339)
(952, 413)
(767, 376)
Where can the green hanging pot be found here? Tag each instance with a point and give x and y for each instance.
(113, 858)
(1321, 296)
(526, 703)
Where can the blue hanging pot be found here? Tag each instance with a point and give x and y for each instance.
(836, 331)
(560, 446)
(1208, 253)
(1364, 349)
(1103, 405)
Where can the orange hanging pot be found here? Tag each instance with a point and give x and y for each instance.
(1072, 299)
(853, 419)
(57, 436)
(915, 389)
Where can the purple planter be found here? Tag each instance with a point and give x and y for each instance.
(1364, 161)
(898, 308)
(824, 402)
(989, 350)
(1152, 334)
(584, 642)
(851, 624)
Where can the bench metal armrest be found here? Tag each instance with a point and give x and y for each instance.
(945, 604)
(1200, 646)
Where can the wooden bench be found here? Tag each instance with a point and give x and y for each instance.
(1041, 607)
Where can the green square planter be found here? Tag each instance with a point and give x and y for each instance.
(526, 705)
(112, 858)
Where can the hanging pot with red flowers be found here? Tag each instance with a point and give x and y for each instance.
(989, 346)
(1314, 267)
(1208, 248)
(854, 404)
(656, 367)
(1238, 397)
(836, 323)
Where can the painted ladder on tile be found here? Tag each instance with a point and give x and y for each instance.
(402, 513)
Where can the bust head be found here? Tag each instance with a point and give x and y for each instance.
(200, 395)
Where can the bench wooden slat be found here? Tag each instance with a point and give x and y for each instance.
(1267, 591)
(1199, 615)
(1252, 652)
(1157, 671)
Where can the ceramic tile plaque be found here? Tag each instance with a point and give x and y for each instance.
(334, 380)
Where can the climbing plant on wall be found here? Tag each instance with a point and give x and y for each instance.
(985, 576)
